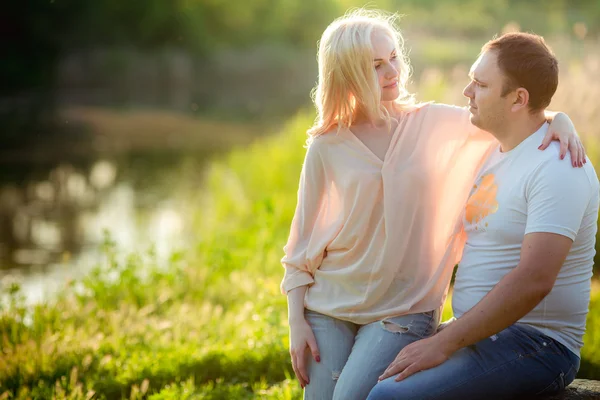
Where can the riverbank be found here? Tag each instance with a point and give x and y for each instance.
(211, 324)
(126, 170)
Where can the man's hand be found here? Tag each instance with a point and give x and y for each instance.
(418, 356)
(517, 293)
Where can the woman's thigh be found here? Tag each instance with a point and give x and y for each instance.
(335, 339)
(375, 347)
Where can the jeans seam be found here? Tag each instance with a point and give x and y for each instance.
(561, 385)
(571, 368)
(430, 322)
(486, 372)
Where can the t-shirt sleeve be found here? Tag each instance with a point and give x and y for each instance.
(305, 247)
(557, 198)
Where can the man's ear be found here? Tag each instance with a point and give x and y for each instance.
(521, 99)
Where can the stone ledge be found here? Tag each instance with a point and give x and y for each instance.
(580, 389)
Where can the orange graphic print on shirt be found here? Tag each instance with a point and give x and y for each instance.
(483, 201)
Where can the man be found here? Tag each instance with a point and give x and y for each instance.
(522, 288)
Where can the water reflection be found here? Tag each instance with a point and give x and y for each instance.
(43, 219)
(103, 175)
(50, 229)
(165, 227)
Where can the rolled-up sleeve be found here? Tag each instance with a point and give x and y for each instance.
(305, 248)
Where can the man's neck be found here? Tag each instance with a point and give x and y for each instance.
(513, 134)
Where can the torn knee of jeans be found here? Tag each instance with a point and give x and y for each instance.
(335, 375)
(394, 327)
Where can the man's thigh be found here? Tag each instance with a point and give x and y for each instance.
(375, 347)
(516, 363)
(335, 339)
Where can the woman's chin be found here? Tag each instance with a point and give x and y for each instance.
(389, 98)
(390, 94)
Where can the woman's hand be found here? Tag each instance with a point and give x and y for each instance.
(302, 339)
(563, 130)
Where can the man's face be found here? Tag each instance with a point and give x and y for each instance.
(489, 110)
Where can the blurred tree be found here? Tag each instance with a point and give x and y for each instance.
(31, 33)
(35, 33)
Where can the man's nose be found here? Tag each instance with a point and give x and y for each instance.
(468, 90)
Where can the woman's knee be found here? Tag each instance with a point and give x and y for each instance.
(356, 389)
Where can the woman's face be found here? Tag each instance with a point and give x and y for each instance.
(386, 64)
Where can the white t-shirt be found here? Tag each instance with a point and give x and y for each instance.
(522, 191)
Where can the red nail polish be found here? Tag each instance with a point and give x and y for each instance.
(318, 358)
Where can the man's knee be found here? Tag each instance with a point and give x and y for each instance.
(391, 390)
(380, 392)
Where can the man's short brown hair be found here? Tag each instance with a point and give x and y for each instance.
(529, 63)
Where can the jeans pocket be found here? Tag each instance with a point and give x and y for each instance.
(557, 385)
(424, 324)
(420, 325)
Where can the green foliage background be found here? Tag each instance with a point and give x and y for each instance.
(211, 324)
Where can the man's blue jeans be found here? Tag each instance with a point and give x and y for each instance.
(519, 362)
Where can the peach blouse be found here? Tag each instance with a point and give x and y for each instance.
(376, 239)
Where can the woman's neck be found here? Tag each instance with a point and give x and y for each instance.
(361, 117)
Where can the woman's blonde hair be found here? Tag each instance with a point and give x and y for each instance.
(347, 79)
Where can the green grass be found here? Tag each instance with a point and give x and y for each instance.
(211, 325)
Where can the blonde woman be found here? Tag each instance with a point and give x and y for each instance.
(373, 241)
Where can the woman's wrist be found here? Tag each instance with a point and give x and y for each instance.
(296, 305)
(296, 320)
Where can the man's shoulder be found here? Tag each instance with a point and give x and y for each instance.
(551, 157)
(547, 165)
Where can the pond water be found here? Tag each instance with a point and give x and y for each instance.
(54, 214)
(51, 228)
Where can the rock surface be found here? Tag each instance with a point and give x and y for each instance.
(579, 389)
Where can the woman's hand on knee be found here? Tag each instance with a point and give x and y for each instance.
(302, 339)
